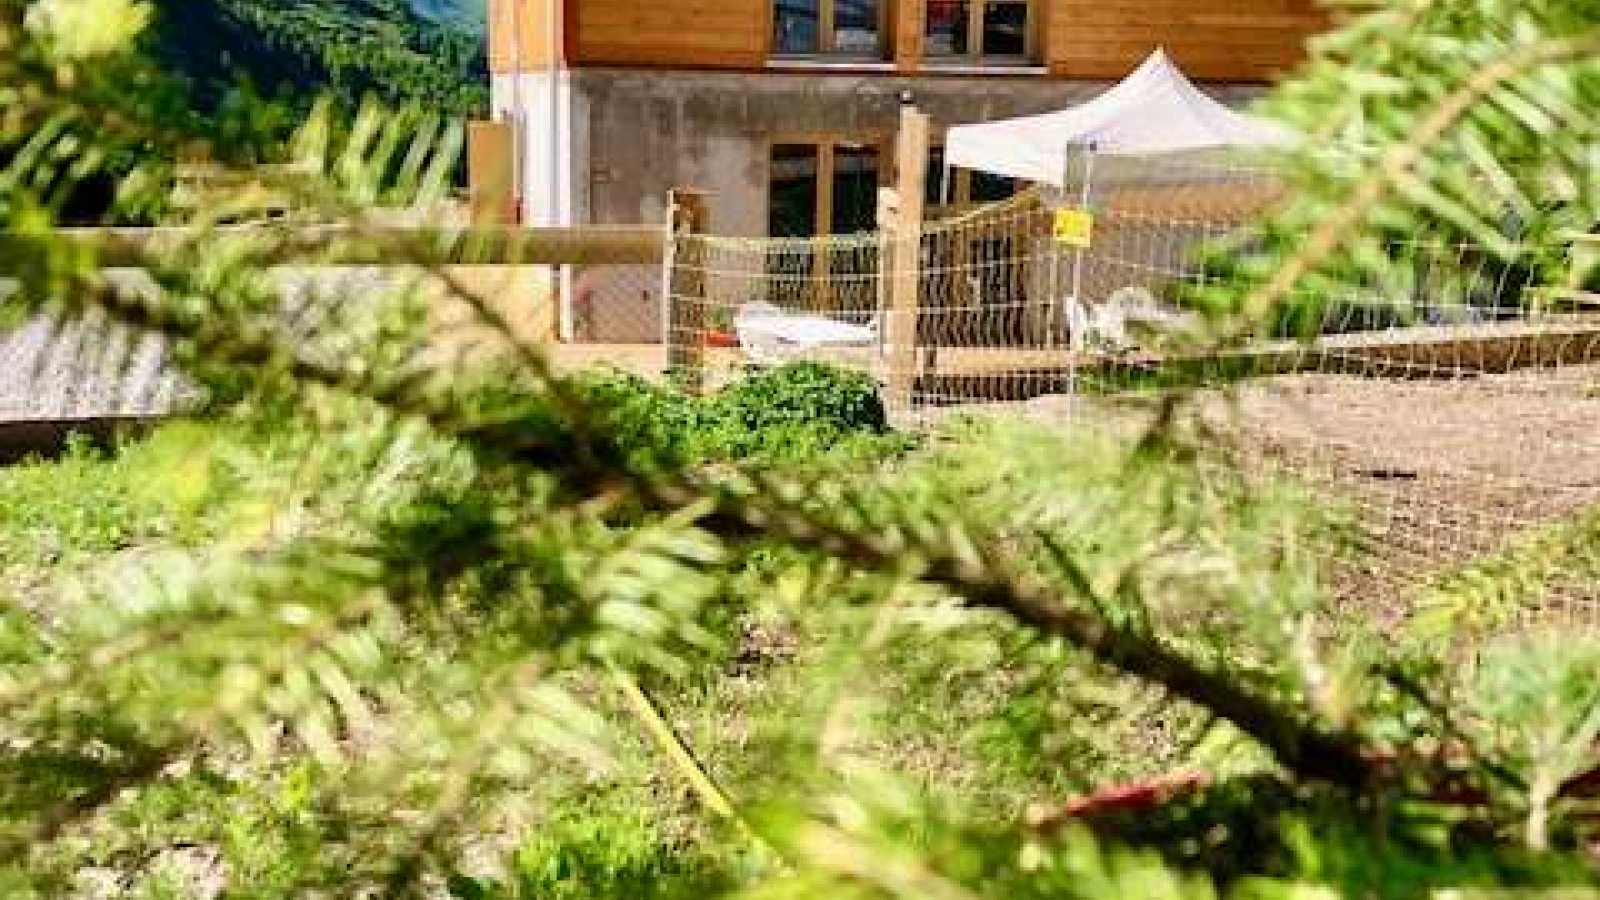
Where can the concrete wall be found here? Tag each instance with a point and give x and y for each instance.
(606, 145)
(650, 131)
(625, 138)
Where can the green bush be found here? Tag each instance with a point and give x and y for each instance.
(805, 393)
(88, 502)
(793, 414)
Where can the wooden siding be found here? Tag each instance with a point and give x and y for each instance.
(1225, 40)
(532, 52)
(709, 34)
(906, 33)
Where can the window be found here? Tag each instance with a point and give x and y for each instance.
(828, 187)
(966, 188)
(980, 30)
(823, 188)
(792, 209)
(829, 27)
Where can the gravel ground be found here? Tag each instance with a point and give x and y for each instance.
(1436, 474)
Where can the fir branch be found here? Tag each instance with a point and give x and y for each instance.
(1401, 158)
(765, 511)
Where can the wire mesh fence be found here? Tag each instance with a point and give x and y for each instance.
(1442, 406)
(620, 304)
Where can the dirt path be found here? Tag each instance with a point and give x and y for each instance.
(1435, 475)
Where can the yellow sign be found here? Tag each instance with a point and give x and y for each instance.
(1074, 227)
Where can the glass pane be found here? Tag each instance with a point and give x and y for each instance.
(856, 27)
(855, 189)
(947, 28)
(1005, 28)
(793, 207)
(987, 188)
(934, 185)
(797, 26)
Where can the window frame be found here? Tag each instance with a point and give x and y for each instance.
(828, 36)
(828, 146)
(977, 53)
(823, 293)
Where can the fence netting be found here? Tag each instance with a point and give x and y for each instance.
(1444, 409)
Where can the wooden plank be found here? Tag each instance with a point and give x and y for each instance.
(1221, 39)
(1419, 352)
(909, 16)
(1230, 40)
(681, 33)
(519, 35)
(491, 174)
(902, 321)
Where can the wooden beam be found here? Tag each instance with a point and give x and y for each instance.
(686, 293)
(314, 245)
(909, 25)
(905, 257)
(519, 35)
(490, 173)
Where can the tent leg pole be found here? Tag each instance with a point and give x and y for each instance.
(1077, 343)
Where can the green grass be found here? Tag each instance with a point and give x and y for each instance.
(783, 671)
(929, 707)
(162, 488)
(952, 723)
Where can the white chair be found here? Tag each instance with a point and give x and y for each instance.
(1128, 315)
(769, 336)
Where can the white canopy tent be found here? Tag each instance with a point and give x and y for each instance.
(1156, 113)
(1155, 110)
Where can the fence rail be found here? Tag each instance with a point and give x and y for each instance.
(380, 245)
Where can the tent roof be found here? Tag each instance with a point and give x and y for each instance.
(1155, 110)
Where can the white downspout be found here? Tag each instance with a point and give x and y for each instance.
(553, 73)
(519, 114)
(558, 162)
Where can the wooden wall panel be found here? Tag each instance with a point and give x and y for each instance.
(1228, 40)
(1237, 40)
(530, 53)
(726, 34)
(491, 173)
(907, 39)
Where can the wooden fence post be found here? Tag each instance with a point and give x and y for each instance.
(686, 289)
(491, 173)
(905, 257)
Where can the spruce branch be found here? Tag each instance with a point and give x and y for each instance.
(774, 507)
(1401, 158)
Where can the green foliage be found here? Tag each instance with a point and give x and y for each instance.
(805, 394)
(797, 413)
(1458, 132)
(90, 503)
(589, 853)
(233, 76)
(403, 638)
(349, 48)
